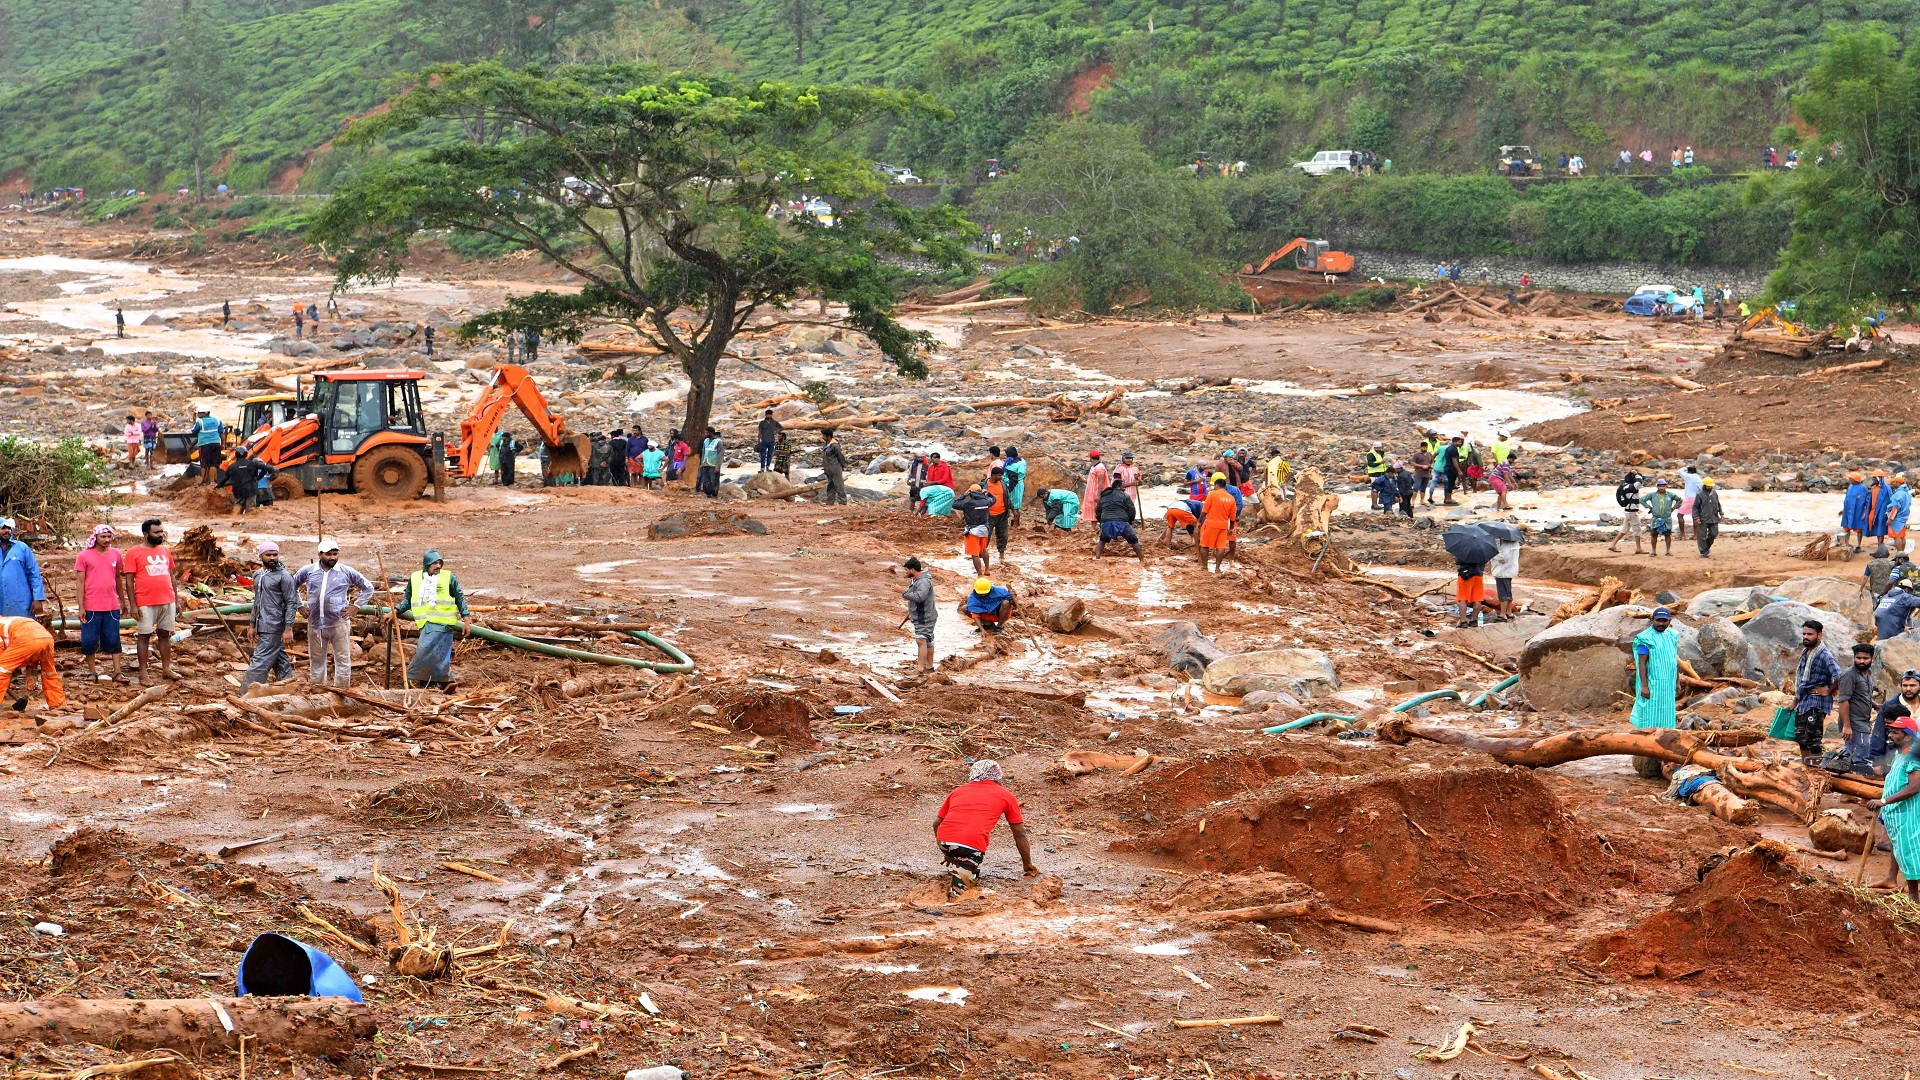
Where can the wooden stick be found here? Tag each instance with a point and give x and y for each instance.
(1647, 419)
(463, 868)
(1866, 852)
(571, 1055)
(1232, 1021)
(230, 850)
(146, 698)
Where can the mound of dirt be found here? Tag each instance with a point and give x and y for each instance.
(109, 852)
(202, 499)
(417, 802)
(1476, 843)
(1757, 916)
(705, 523)
(769, 714)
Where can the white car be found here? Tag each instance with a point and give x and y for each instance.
(1327, 161)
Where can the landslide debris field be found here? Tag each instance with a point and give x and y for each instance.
(732, 872)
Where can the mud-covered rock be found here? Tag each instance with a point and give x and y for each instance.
(1839, 595)
(1582, 662)
(1304, 673)
(1187, 649)
(705, 523)
(1066, 616)
(1724, 650)
(1715, 603)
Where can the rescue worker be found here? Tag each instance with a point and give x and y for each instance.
(275, 601)
(22, 590)
(1376, 466)
(25, 643)
(436, 604)
(964, 821)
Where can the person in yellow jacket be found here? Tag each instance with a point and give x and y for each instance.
(436, 605)
(1502, 448)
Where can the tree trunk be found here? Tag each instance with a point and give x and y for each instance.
(700, 377)
(1792, 788)
(328, 1025)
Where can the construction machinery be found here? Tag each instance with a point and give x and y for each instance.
(176, 447)
(1310, 257)
(567, 454)
(362, 431)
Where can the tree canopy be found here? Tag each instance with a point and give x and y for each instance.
(1131, 232)
(1856, 225)
(658, 194)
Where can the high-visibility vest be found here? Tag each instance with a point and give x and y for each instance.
(437, 609)
(1376, 463)
(1502, 450)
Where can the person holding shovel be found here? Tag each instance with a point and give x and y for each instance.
(436, 604)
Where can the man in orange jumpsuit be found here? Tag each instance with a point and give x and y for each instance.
(25, 643)
(1217, 518)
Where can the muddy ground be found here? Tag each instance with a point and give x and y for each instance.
(750, 847)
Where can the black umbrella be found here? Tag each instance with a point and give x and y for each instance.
(1469, 544)
(1498, 530)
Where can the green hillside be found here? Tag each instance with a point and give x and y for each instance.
(39, 38)
(1434, 84)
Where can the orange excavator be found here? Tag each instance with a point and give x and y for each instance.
(362, 431)
(1310, 257)
(566, 453)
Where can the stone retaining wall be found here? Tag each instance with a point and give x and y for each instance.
(1619, 278)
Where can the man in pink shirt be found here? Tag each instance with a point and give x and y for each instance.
(1129, 476)
(1097, 479)
(99, 566)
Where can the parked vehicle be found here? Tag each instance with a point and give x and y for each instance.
(1327, 161)
(1518, 161)
(1646, 296)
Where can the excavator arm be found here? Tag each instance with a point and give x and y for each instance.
(1286, 249)
(511, 386)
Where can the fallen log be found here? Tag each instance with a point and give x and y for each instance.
(972, 305)
(308, 1025)
(818, 424)
(1301, 909)
(1647, 419)
(1864, 365)
(1228, 1021)
(1792, 788)
(145, 698)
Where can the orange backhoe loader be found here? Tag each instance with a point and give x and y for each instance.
(361, 431)
(566, 453)
(1310, 257)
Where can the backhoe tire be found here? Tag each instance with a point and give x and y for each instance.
(286, 487)
(391, 472)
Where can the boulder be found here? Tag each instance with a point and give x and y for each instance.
(833, 347)
(1186, 648)
(1775, 634)
(1045, 472)
(1838, 595)
(1260, 699)
(286, 346)
(1893, 656)
(1066, 616)
(1580, 663)
(1715, 603)
(1304, 673)
(1835, 830)
(886, 463)
(791, 410)
(1724, 650)
(804, 338)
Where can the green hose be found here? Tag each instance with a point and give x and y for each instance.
(1480, 701)
(1418, 700)
(1305, 721)
(681, 663)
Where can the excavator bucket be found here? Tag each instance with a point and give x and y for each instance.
(568, 458)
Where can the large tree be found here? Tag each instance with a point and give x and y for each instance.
(1856, 221)
(1131, 231)
(198, 82)
(656, 194)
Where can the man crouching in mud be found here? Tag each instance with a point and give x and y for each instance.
(969, 814)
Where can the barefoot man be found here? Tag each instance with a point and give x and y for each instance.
(967, 817)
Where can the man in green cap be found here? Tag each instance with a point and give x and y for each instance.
(436, 605)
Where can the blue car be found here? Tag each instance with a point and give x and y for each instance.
(1646, 296)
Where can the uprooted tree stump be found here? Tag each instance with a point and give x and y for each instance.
(1793, 789)
(324, 1025)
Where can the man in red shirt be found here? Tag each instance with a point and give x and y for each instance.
(938, 471)
(149, 589)
(967, 817)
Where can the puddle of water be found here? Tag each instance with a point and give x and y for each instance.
(1495, 411)
(1162, 948)
(883, 969)
(945, 995)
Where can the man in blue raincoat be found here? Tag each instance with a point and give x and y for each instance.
(23, 593)
(1879, 505)
(1853, 511)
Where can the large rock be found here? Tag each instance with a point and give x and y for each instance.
(1304, 673)
(1045, 472)
(1724, 650)
(1715, 603)
(1838, 595)
(1893, 656)
(1775, 635)
(1066, 616)
(705, 523)
(286, 346)
(766, 483)
(1187, 649)
(1580, 663)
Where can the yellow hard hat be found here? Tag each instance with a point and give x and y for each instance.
(1220, 476)
(982, 586)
